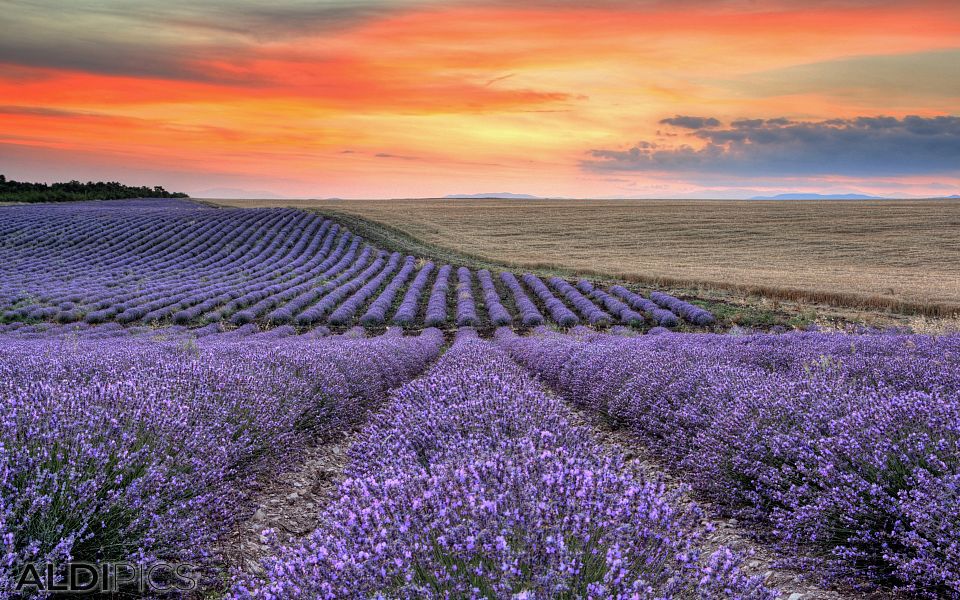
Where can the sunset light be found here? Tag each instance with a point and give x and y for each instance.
(408, 98)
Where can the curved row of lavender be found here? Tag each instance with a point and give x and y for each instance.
(159, 260)
(174, 261)
(437, 304)
(281, 298)
(344, 313)
(661, 316)
(590, 311)
(466, 306)
(474, 482)
(845, 449)
(530, 315)
(296, 299)
(377, 311)
(690, 312)
(562, 315)
(622, 311)
(137, 444)
(407, 311)
(496, 311)
(333, 294)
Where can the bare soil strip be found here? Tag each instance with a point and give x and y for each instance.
(792, 584)
(289, 504)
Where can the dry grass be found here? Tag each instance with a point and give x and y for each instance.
(899, 255)
(928, 326)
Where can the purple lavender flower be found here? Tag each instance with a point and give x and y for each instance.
(377, 311)
(407, 311)
(660, 316)
(474, 482)
(466, 307)
(563, 316)
(139, 444)
(437, 304)
(691, 313)
(843, 447)
(497, 312)
(529, 314)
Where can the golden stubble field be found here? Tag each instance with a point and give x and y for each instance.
(878, 253)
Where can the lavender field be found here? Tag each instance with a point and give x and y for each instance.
(165, 368)
(166, 261)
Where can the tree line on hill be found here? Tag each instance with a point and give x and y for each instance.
(22, 191)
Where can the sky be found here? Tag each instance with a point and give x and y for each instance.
(419, 98)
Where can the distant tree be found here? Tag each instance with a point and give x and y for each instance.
(21, 191)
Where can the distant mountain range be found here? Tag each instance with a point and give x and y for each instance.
(494, 195)
(787, 196)
(817, 197)
(226, 192)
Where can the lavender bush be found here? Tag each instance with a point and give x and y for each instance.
(377, 311)
(166, 260)
(437, 304)
(345, 270)
(333, 297)
(661, 316)
(529, 314)
(557, 309)
(140, 445)
(594, 315)
(847, 448)
(474, 483)
(495, 310)
(616, 307)
(691, 313)
(466, 307)
(407, 311)
(344, 313)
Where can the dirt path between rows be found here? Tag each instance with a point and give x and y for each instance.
(290, 503)
(759, 560)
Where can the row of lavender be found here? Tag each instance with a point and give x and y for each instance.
(845, 449)
(172, 261)
(474, 483)
(122, 444)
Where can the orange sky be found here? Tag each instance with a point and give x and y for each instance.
(388, 99)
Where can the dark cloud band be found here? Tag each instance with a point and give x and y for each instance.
(687, 122)
(863, 146)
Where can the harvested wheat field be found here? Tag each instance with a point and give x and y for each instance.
(885, 253)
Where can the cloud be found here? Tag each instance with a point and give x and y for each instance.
(40, 111)
(142, 38)
(396, 156)
(862, 146)
(116, 47)
(929, 74)
(688, 122)
(110, 58)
